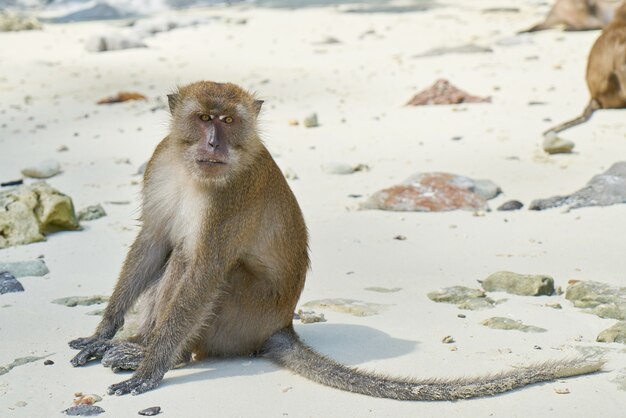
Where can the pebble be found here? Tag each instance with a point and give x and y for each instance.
(20, 404)
(510, 324)
(9, 284)
(48, 362)
(511, 205)
(113, 42)
(148, 412)
(552, 144)
(442, 92)
(310, 317)
(383, 289)
(290, 174)
(310, 121)
(519, 284)
(342, 168)
(72, 301)
(26, 268)
(91, 212)
(293, 122)
(83, 410)
(448, 339)
(43, 170)
(464, 297)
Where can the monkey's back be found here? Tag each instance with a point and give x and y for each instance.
(606, 68)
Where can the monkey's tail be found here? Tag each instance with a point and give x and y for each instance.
(286, 349)
(586, 115)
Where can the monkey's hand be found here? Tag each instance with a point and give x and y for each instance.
(124, 356)
(136, 385)
(93, 350)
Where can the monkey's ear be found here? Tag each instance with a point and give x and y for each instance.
(257, 106)
(172, 100)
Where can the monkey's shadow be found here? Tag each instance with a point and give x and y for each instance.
(348, 344)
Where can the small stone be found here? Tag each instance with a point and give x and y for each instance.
(614, 334)
(62, 148)
(148, 412)
(561, 391)
(310, 317)
(87, 399)
(553, 305)
(20, 404)
(72, 301)
(310, 121)
(113, 42)
(91, 212)
(83, 410)
(329, 40)
(290, 174)
(338, 168)
(444, 93)
(477, 304)
(510, 324)
(511, 205)
(349, 306)
(552, 144)
(293, 122)
(48, 362)
(455, 294)
(9, 284)
(519, 284)
(26, 268)
(454, 348)
(383, 289)
(461, 316)
(45, 169)
(448, 339)
(400, 238)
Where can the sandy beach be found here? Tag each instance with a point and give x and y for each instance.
(357, 86)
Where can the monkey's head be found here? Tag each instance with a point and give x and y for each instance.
(215, 124)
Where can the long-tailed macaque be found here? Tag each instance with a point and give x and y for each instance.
(221, 259)
(577, 15)
(606, 72)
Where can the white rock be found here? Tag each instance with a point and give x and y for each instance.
(43, 170)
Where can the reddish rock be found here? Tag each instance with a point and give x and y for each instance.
(444, 93)
(430, 192)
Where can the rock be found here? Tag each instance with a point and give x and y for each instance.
(511, 205)
(552, 144)
(113, 42)
(122, 96)
(342, 168)
(290, 174)
(608, 188)
(515, 40)
(153, 25)
(87, 399)
(615, 334)
(434, 192)
(83, 410)
(350, 306)
(26, 268)
(464, 297)
(43, 170)
(383, 289)
(28, 212)
(20, 404)
(310, 317)
(10, 22)
(310, 121)
(478, 304)
(72, 301)
(508, 324)
(443, 93)
(329, 40)
(18, 362)
(91, 212)
(9, 284)
(598, 298)
(148, 412)
(519, 284)
(48, 362)
(461, 49)
(448, 339)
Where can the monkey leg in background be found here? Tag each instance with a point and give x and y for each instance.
(220, 262)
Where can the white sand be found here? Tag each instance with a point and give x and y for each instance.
(358, 89)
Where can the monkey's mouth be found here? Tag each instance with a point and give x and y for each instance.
(210, 162)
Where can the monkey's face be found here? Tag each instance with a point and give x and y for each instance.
(215, 124)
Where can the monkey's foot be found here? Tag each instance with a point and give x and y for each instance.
(123, 356)
(94, 350)
(80, 343)
(135, 385)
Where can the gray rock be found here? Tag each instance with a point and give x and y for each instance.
(383, 289)
(148, 412)
(113, 42)
(615, 334)
(461, 49)
(434, 192)
(478, 304)
(91, 212)
(498, 322)
(519, 284)
(342, 168)
(26, 268)
(18, 362)
(310, 121)
(599, 299)
(83, 410)
(553, 144)
(511, 205)
(310, 317)
(350, 306)
(608, 188)
(43, 170)
(10, 22)
(464, 297)
(72, 301)
(9, 284)
(28, 212)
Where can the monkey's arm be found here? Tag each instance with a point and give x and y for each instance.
(143, 265)
(190, 308)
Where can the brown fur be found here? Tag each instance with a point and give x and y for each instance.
(577, 15)
(606, 72)
(221, 260)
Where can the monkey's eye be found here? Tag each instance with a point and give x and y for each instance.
(228, 119)
(205, 117)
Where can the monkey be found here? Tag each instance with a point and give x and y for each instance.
(606, 72)
(220, 262)
(577, 15)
